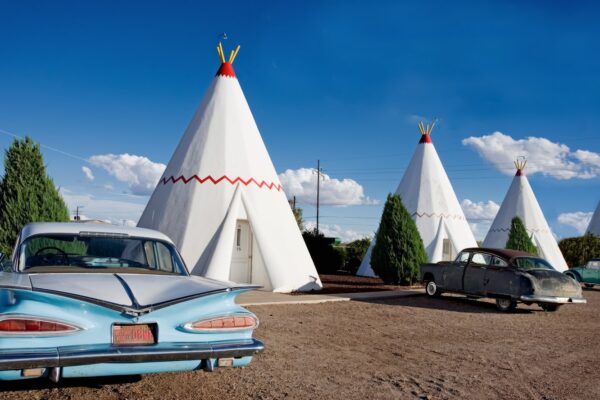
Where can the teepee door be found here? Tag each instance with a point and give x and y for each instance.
(241, 259)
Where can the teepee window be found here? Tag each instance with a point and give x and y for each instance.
(238, 237)
(447, 250)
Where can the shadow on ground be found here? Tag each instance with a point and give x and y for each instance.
(45, 383)
(450, 303)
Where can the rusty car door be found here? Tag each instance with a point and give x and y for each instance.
(475, 273)
(452, 276)
(500, 279)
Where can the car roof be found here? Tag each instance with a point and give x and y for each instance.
(506, 253)
(44, 228)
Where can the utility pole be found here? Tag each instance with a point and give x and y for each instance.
(77, 217)
(319, 173)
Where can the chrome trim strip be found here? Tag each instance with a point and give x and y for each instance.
(28, 358)
(552, 299)
(70, 356)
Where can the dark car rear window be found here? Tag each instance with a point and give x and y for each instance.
(526, 263)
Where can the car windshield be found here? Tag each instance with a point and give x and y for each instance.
(98, 253)
(526, 263)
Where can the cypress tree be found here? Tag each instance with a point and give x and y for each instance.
(27, 193)
(518, 238)
(399, 251)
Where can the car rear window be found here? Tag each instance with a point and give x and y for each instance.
(90, 253)
(526, 263)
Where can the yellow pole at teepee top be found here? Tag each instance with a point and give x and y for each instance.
(232, 54)
(520, 163)
(220, 52)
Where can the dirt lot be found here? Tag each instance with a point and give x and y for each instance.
(413, 347)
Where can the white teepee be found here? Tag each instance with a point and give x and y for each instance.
(520, 202)
(594, 226)
(221, 202)
(428, 196)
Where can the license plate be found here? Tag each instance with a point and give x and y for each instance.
(134, 334)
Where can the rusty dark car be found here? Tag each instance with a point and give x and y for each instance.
(508, 276)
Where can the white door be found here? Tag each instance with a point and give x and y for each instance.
(241, 258)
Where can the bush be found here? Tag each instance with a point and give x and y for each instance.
(578, 250)
(399, 251)
(518, 238)
(327, 258)
(27, 194)
(355, 252)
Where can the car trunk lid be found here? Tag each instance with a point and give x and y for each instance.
(128, 291)
(554, 283)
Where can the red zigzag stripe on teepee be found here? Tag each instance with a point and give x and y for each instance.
(535, 230)
(447, 216)
(185, 180)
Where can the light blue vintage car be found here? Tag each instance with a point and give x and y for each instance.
(83, 300)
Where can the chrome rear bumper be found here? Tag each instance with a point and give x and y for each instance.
(553, 299)
(94, 354)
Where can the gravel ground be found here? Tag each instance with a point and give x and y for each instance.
(412, 347)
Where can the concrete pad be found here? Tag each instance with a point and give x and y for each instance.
(258, 297)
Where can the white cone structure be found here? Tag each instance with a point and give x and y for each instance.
(520, 202)
(594, 226)
(428, 196)
(221, 202)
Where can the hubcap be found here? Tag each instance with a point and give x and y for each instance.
(431, 288)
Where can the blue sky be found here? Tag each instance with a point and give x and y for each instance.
(344, 82)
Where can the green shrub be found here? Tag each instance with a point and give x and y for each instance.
(518, 238)
(578, 250)
(327, 258)
(355, 252)
(398, 251)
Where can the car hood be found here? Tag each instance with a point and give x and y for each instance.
(136, 291)
(553, 283)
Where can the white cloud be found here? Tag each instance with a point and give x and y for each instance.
(480, 215)
(336, 231)
(578, 220)
(88, 173)
(548, 158)
(302, 183)
(138, 172)
(111, 210)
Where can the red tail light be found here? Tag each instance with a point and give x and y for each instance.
(32, 325)
(225, 323)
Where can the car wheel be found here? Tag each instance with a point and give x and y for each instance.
(588, 285)
(432, 290)
(506, 304)
(550, 307)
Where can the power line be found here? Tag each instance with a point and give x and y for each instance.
(64, 153)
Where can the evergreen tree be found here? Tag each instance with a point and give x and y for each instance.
(399, 251)
(518, 238)
(27, 194)
(297, 211)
